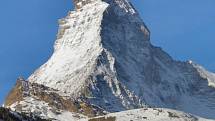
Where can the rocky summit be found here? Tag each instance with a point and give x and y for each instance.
(103, 62)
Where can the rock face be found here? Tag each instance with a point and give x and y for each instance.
(103, 60)
(19, 91)
(8, 115)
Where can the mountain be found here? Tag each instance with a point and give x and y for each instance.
(104, 62)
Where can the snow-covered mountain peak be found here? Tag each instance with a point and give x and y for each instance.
(103, 62)
(86, 35)
(125, 4)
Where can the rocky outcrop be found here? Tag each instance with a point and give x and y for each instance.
(23, 89)
(18, 92)
(8, 115)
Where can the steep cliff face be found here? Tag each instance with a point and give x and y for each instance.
(103, 62)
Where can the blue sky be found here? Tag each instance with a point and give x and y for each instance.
(183, 28)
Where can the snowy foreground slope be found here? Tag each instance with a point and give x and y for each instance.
(145, 114)
(104, 62)
(150, 114)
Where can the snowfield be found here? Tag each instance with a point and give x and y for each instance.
(152, 114)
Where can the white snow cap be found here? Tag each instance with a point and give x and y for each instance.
(190, 61)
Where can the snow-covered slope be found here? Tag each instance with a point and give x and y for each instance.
(45, 111)
(150, 114)
(103, 59)
(145, 114)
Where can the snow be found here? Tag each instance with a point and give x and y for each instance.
(42, 109)
(154, 114)
(75, 53)
(68, 116)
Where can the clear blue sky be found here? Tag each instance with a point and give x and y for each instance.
(184, 28)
